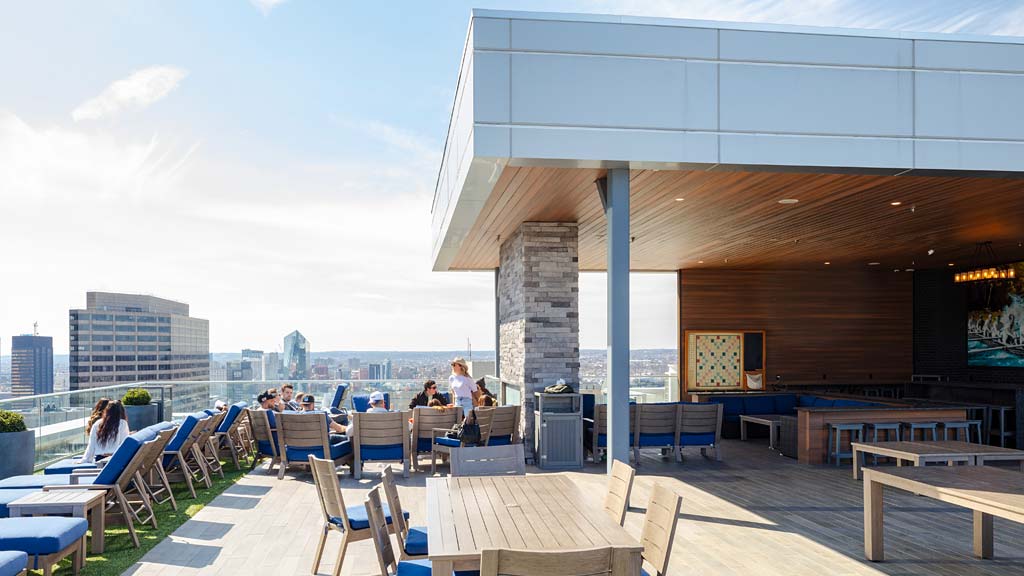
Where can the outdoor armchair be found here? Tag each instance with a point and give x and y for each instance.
(700, 426)
(425, 421)
(306, 434)
(380, 436)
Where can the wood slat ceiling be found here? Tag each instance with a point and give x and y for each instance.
(734, 220)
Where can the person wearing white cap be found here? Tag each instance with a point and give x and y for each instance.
(463, 389)
(377, 402)
(220, 405)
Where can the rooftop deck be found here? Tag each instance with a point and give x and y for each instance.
(755, 512)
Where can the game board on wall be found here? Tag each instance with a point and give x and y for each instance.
(714, 360)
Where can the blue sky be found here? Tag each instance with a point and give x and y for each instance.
(272, 163)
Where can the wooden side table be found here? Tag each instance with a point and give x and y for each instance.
(78, 503)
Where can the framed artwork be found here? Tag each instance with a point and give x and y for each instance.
(719, 360)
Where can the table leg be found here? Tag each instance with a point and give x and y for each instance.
(743, 429)
(98, 525)
(856, 464)
(441, 568)
(982, 534)
(773, 436)
(874, 543)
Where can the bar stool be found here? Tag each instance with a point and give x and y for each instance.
(974, 425)
(913, 427)
(957, 426)
(890, 433)
(836, 431)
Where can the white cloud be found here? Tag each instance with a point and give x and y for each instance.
(265, 6)
(139, 90)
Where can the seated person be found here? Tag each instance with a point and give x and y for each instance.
(436, 403)
(220, 405)
(338, 431)
(484, 392)
(107, 433)
(288, 398)
(377, 402)
(488, 401)
(267, 399)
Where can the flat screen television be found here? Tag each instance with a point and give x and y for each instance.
(995, 321)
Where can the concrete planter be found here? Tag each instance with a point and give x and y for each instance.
(141, 416)
(19, 453)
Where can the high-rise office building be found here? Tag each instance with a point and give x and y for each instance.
(381, 371)
(133, 337)
(255, 359)
(31, 365)
(296, 356)
(272, 366)
(353, 363)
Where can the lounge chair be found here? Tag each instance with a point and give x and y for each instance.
(657, 426)
(227, 436)
(659, 531)
(351, 522)
(208, 447)
(263, 428)
(700, 426)
(337, 402)
(379, 528)
(424, 422)
(45, 541)
(151, 470)
(380, 436)
(182, 460)
(306, 434)
(444, 445)
(13, 563)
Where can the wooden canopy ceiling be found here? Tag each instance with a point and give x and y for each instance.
(735, 220)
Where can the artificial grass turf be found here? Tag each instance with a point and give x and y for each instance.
(119, 552)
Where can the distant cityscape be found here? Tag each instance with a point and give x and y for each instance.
(124, 338)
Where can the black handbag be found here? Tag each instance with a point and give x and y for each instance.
(466, 432)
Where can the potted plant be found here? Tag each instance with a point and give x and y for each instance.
(140, 409)
(17, 445)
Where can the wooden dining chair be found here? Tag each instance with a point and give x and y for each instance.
(412, 541)
(660, 528)
(590, 562)
(382, 542)
(620, 484)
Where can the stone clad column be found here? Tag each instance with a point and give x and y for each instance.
(538, 293)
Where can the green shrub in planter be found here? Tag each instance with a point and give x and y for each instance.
(11, 422)
(136, 397)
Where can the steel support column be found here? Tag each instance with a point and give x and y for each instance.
(616, 210)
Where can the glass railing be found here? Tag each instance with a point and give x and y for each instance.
(642, 389)
(59, 419)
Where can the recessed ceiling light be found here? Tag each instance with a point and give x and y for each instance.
(873, 263)
(788, 201)
(895, 203)
(909, 270)
(951, 264)
(931, 251)
(700, 261)
(827, 263)
(895, 269)
(680, 199)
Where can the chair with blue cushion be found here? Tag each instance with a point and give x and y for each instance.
(227, 436)
(424, 421)
(412, 541)
(605, 561)
(442, 444)
(306, 434)
(351, 522)
(208, 445)
(182, 460)
(700, 426)
(505, 426)
(379, 528)
(41, 542)
(595, 434)
(657, 426)
(151, 470)
(263, 430)
(659, 529)
(361, 402)
(13, 563)
(380, 436)
(337, 402)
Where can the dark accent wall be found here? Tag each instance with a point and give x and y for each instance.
(822, 326)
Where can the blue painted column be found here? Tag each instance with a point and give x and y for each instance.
(616, 210)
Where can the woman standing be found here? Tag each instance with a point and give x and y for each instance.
(463, 389)
(107, 433)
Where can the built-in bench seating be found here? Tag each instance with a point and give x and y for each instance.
(668, 426)
(736, 405)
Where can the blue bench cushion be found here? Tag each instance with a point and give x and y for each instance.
(500, 440)
(40, 534)
(657, 440)
(450, 442)
(416, 541)
(386, 452)
(823, 402)
(602, 440)
(339, 450)
(784, 403)
(414, 568)
(12, 562)
(231, 416)
(759, 404)
(68, 466)
(357, 519)
(705, 439)
(805, 401)
(8, 496)
(423, 444)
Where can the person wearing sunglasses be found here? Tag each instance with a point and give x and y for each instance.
(424, 397)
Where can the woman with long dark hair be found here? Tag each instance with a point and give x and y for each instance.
(107, 433)
(97, 413)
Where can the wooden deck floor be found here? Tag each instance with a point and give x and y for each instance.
(755, 513)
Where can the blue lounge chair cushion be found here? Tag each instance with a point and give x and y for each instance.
(211, 411)
(414, 568)
(705, 439)
(123, 456)
(357, 519)
(450, 442)
(12, 562)
(785, 403)
(386, 452)
(339, 395)
(500, 440)
(67, 466)
(34, 481)
(8, 496)
(231, 416)
(657, 440)
(339, 450)
(40, 534)
(759, 404)
(184, 430)
(416, 541)
(423, 444)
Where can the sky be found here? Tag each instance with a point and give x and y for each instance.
(272, 162)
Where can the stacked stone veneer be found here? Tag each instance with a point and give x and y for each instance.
(538, 299)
